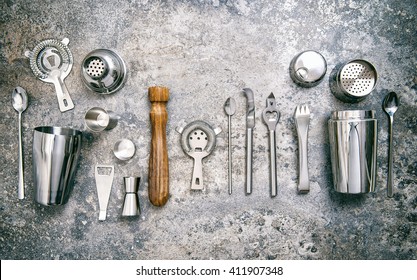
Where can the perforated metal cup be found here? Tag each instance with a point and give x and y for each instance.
(354, 81)
(103, 71)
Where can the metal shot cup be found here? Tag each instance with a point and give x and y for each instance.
(55, 155)
(353, 150)
(98, 119)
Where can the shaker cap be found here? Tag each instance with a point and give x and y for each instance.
(308, 68)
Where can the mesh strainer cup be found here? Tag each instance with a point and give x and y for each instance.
(353, 81)
(103, 71)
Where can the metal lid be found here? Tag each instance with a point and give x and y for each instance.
(308, 68)
(124, 149)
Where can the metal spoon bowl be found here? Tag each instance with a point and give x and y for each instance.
(19, 99)
(20, 104)
(391, 103)
(390, 106)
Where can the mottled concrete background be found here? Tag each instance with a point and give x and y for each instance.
(206, 51)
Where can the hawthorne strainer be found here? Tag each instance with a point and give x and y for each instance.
(354, 81)
(51, 61)
(198, 140)
(103, 71)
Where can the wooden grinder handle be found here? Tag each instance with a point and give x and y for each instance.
(158, 185)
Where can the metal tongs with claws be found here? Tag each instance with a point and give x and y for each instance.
(271, 117)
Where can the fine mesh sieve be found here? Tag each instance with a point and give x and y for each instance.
(354, 81)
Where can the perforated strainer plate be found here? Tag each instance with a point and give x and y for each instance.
(198, 136)
(198, 140)
(358, 78)
(353, 81)
(96, 67)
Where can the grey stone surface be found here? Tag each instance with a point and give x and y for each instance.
(206, 51)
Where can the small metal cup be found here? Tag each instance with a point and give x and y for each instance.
(98, 119)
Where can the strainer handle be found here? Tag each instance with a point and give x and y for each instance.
(64, 99)
(158, 187)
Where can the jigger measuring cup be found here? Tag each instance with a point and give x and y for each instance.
(131, 201)
(98, 119)
(353, 150)
(55, 155)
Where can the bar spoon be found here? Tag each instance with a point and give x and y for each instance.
(390, 106)
(20, 104)
(230, 109)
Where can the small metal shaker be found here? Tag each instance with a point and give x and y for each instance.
(56, 151)
(131, 202)
(353, 150)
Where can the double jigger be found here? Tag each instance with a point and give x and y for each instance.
(131, 205)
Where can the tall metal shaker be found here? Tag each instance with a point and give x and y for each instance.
(56, 151)
(353, 150)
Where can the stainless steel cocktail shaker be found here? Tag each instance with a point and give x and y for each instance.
(353, 150)
(56, 151)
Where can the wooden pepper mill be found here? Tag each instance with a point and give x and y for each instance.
(158, 185)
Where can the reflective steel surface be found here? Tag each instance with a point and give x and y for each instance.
(353, 150)
(55, 155)
(103, 71)
(308, 68)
